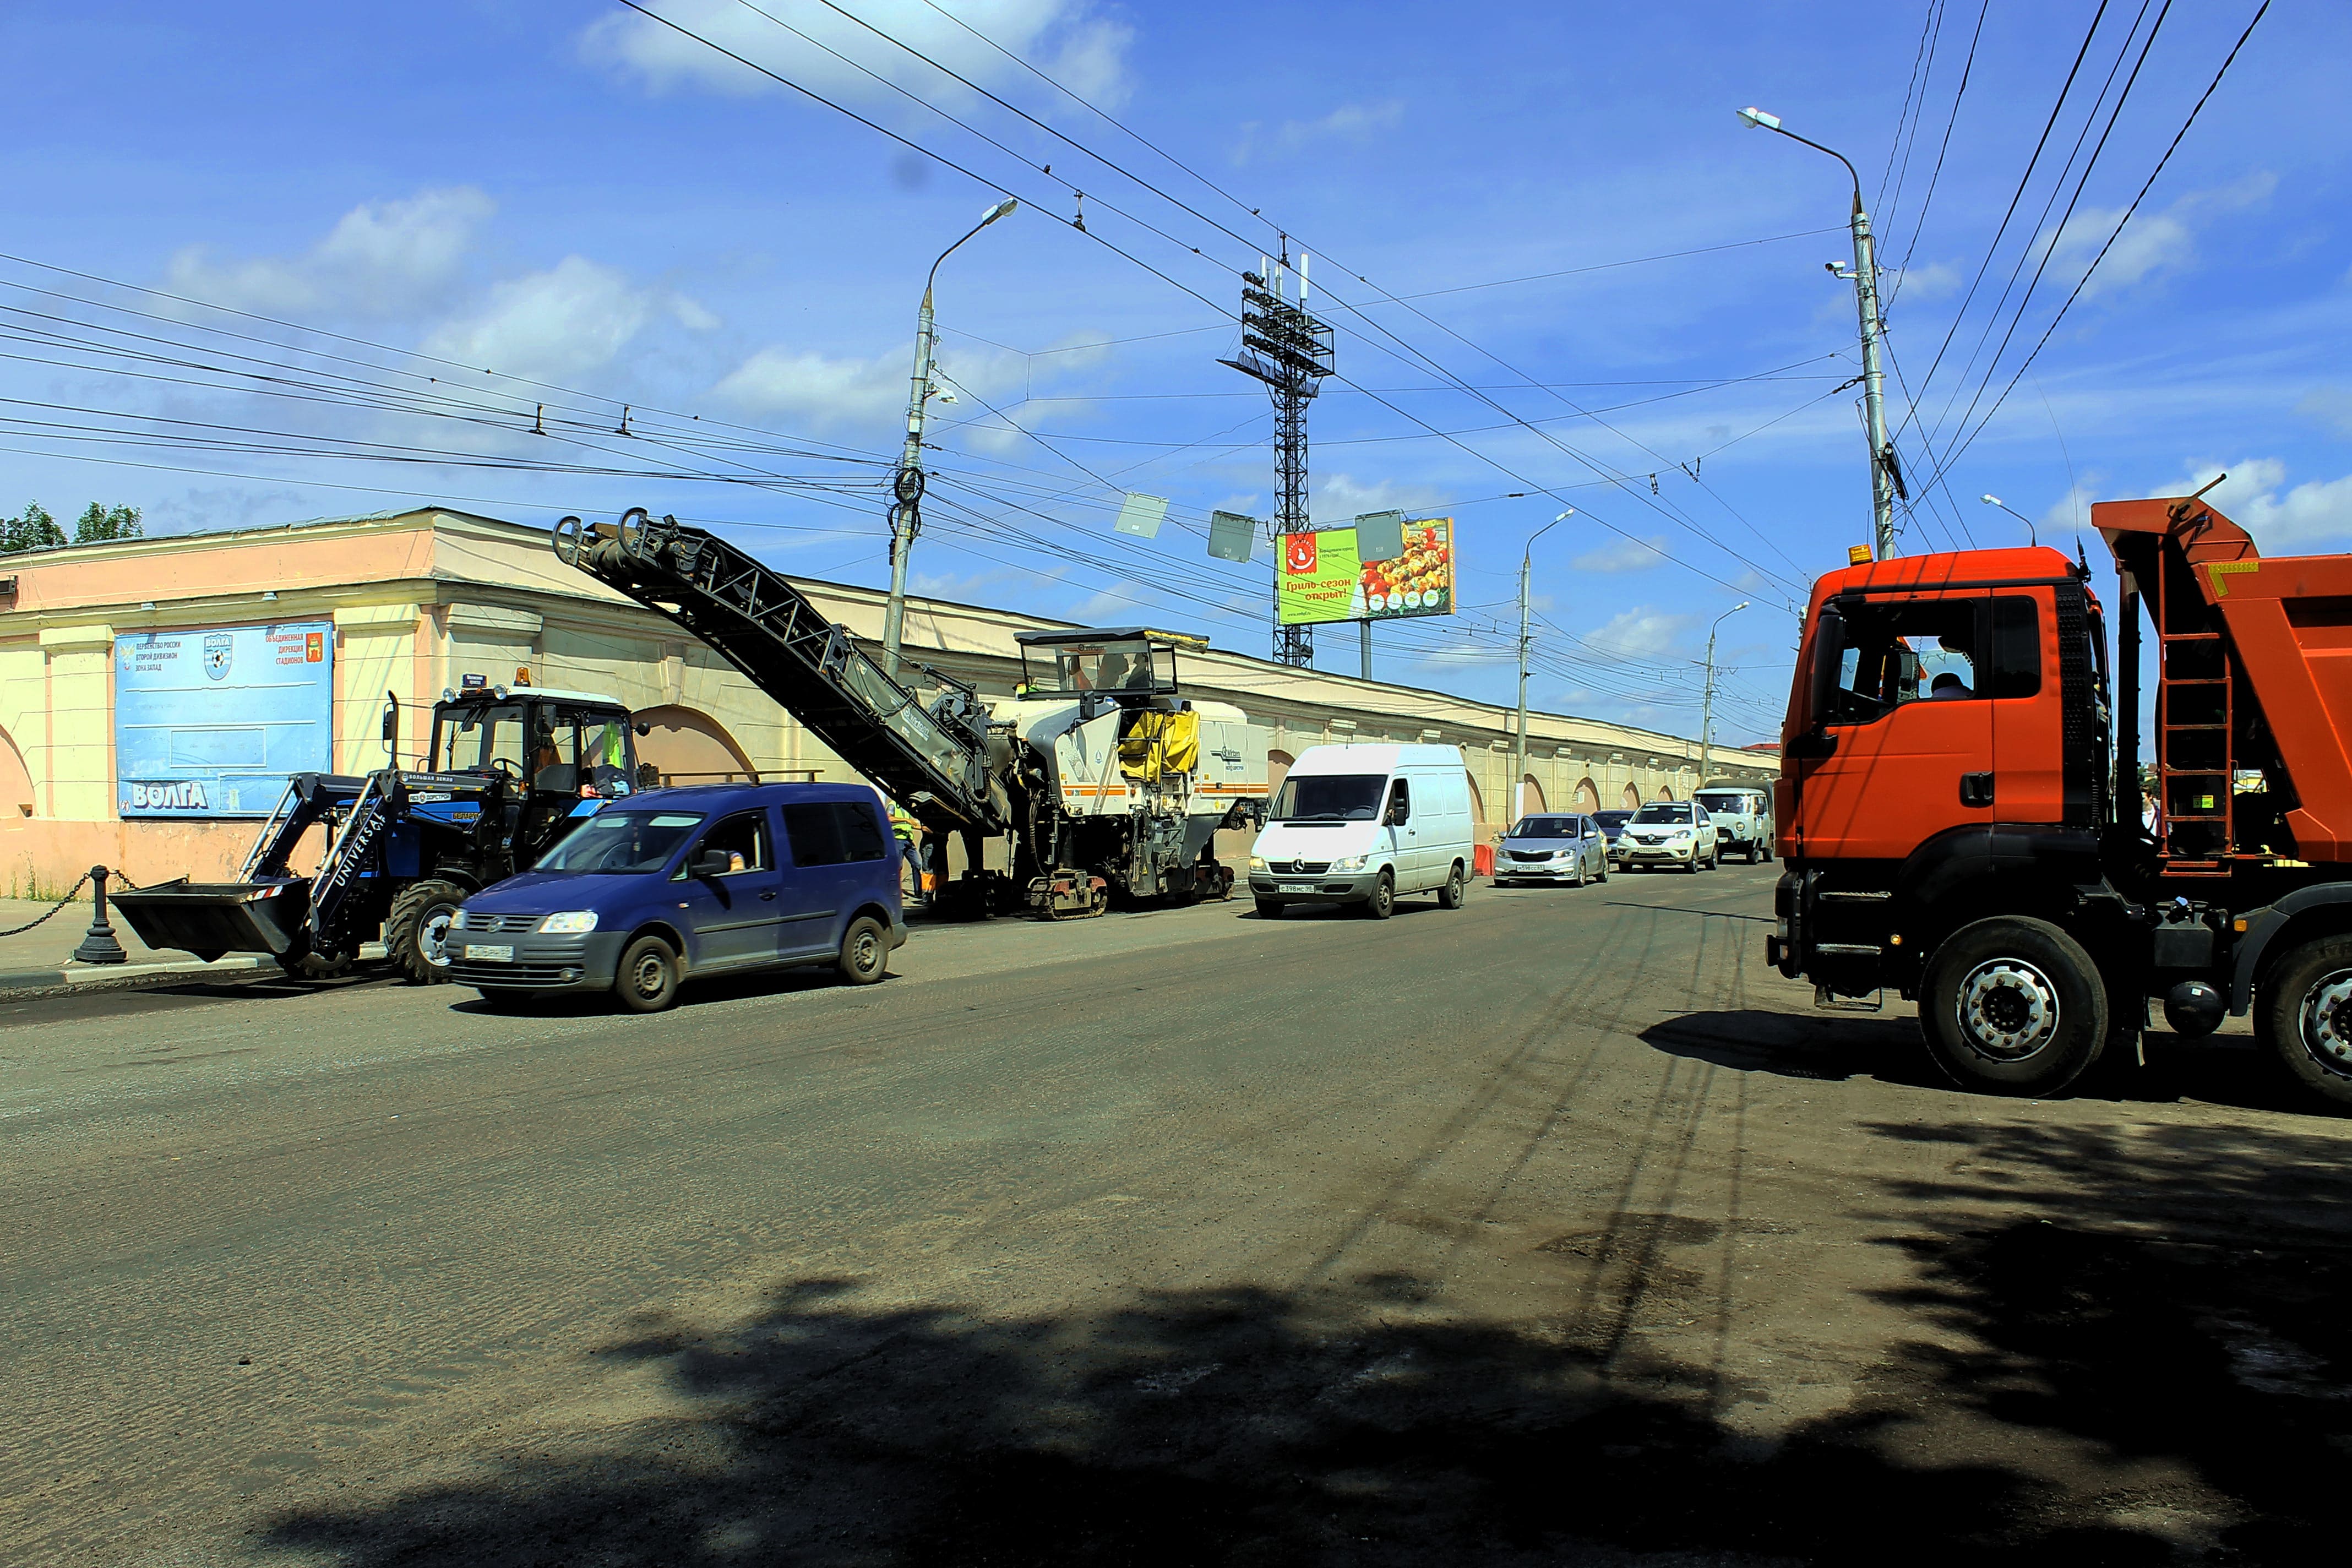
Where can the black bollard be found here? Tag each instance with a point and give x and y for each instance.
(99, 946)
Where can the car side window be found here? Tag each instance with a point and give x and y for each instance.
(743, 839)
(814, 834)
(861, 832)
(1399, 804)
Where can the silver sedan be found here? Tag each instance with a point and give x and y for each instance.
(1558, 846)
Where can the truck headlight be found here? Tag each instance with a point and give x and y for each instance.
(571, 923)
(1258, 862)
(1352, 863)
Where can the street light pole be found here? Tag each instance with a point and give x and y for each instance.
(2030, 536)
(1520, 782)
(1873, 331)
(907, 486)
(1707, 702)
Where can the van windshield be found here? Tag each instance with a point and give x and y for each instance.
(1328, 797)
(622, 841)
(1729, 804)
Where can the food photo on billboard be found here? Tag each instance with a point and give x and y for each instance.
(1323, 576)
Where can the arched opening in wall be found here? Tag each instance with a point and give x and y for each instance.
(1633, 798)
(1531, 795)
(1665, 792)
(1277, 768)
(1477, 801)
(16, 781)
(684, 746)
(1588, 795)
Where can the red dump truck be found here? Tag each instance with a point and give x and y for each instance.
(1962, 811)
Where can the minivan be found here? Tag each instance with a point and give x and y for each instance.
(1743, 819)
(1362, 823)
(658, 889)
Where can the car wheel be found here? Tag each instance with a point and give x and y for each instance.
(2013, 1006)
(1382, 903)
(647, 979)
(1456, 890)
(1580, 872)
(865, 952)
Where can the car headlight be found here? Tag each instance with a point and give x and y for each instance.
(1352, 863)
(1258, 862)
(571, 923)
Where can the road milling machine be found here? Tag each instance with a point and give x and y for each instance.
(1103, 781)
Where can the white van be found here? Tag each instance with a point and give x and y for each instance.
(1743, 819)
(1361, 823)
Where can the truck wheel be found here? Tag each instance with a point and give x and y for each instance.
(1456, 889)
(865, 952)
(1382, 903)
(647, 981)
(2307, 1018)
(2013, 1006)
(416, 932)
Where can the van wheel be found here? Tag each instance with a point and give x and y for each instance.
(647, 981)
(1764, 852)
(1382, 903)
(2013, 1006)
(1456, 890)
(2306, 1018)
(1269, 909)
(865, 952)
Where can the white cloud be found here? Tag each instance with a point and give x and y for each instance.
(817, 389)
(2253, 499)
(1345, 496)
(2152, 242)
(1642, 632)
(576, 317)
(380, 256)
(1086, 53)
(1929, 281)
(1624, 555)
(1356, 122)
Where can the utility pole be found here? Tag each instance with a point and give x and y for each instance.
(1290, 351)
(907, 486)
(1885, 472)
(1707, 702)
(1526, 559)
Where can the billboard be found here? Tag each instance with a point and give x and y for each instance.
(1322, 577)
(210, 722)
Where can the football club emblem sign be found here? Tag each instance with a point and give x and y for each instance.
(219, 648)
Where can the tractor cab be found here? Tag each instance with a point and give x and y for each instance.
(563, 754)
(1126, 662)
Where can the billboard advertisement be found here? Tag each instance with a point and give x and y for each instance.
(1322, 577)
(210, 721)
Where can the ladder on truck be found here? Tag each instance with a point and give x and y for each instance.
(2196, 772)
(933, 760)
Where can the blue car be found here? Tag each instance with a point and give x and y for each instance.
(677, 884)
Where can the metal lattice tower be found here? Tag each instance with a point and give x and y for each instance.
(1290, 351)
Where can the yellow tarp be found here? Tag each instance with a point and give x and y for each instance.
(1159, 744)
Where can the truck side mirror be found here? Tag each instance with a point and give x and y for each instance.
(1829, 652)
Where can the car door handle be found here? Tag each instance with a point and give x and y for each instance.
(768, 897)
(1976, 789)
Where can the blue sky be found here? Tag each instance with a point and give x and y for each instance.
(562, 203)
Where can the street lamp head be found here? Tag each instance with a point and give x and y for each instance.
(1990, 499)
(1741, 606)
(1004, 208)
(1757, 118)
(1563, 517)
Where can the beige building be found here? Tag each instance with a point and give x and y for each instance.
(418, 600)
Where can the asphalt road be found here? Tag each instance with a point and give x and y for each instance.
(1553, 1229)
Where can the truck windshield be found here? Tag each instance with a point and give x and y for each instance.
(1328, 797)
(1105, 667)
(622, 841)
(1543, 827)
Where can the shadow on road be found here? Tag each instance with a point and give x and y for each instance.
(1826, 1047)
(2122, 1347)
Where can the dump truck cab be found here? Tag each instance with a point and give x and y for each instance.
(1962, 820)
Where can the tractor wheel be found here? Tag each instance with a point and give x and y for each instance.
(2304, 1016)
(416, 932)
(2013, 1006)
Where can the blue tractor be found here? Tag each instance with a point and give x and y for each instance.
(507, 773)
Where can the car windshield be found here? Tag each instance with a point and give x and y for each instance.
(1328, 797)
(622, 841)
(1543, 827)
(1730, 804)
(1611, 821)
(1678, 813)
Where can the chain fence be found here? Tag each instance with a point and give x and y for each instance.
(61, 903)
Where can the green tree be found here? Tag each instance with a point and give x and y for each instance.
(100, 522)
(34, 529)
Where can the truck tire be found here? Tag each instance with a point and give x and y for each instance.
(416, 932)
(1382, 903)
(1457, 886)
(646, 980)
(2013, 1006)
(2304, 1016)
(865, 952)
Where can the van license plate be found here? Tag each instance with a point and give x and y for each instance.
(1294, 887)
(501, 954)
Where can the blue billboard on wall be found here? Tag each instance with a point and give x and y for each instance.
(211, 722)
